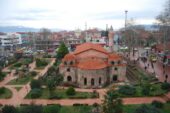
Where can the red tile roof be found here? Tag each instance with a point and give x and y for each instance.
(91, 64)
(87, 46)
(69, 56)
(114, 57)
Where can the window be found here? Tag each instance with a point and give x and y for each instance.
(92, 81)
(112, 62)
(100, 80)
(116, 68)
(114, 78)
(68, 69)
(71, 63)
(69, 79)
(118, 62)
(65, 63)
(85, 81)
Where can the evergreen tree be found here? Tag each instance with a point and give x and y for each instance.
(112, 104)
(62, 51)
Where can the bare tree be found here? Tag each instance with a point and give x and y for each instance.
(164, 23)
(164, 17)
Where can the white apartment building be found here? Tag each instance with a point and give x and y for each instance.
(10, 39)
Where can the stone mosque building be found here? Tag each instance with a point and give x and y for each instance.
(91, 66)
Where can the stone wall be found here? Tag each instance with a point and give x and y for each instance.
(92, 74)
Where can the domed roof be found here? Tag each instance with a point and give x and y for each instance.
(69, 56)
(92, 64)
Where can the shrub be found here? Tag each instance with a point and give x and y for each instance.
(146, 109)
(9, 109)
(70, 91)
(52, 109)
(2, 75)
(17, 64)
(127, 90)
(33, 73)
(2, 90)
(41, 62)
(165, 86)
(35, 93)
(27, 61)
(31, 109)
(94, 94)
(146, 88)
(157, 104)
(54, 96)
(95, 105)
(35, 84)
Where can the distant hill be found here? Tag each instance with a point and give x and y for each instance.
(20, 29)
(150, 27)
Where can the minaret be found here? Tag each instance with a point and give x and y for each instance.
(111, 36)
(106, 36)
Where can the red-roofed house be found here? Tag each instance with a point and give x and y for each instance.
(91, 66)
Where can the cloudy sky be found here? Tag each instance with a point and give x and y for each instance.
(72, 14)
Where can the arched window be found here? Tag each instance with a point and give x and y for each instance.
(114, 78)
(69, 79)
(85, 81)
(100, 80)
(112, 62)
(116, 68)
(71, 63)
(68, 69)
(92, 81)
(65, 63)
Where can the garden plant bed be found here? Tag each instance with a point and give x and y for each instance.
(6, 94)
(21, 81)
(18, 88)
(132, 108)
(21, 62)
(155, 90)
(61, 94)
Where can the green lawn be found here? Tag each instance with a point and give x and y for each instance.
(2, 75)
(131, 108)
(21, 81)
(155, 90)
(7, 94)
(67, 109)
(21, 62)
(60, 93)
(75, 109)
(18, 88)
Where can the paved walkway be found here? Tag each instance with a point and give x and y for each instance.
(18, 96)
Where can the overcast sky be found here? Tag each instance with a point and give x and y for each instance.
(72, 14)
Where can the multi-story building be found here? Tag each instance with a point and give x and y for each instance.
(10, 39)
(9, 42)
(25, 38)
